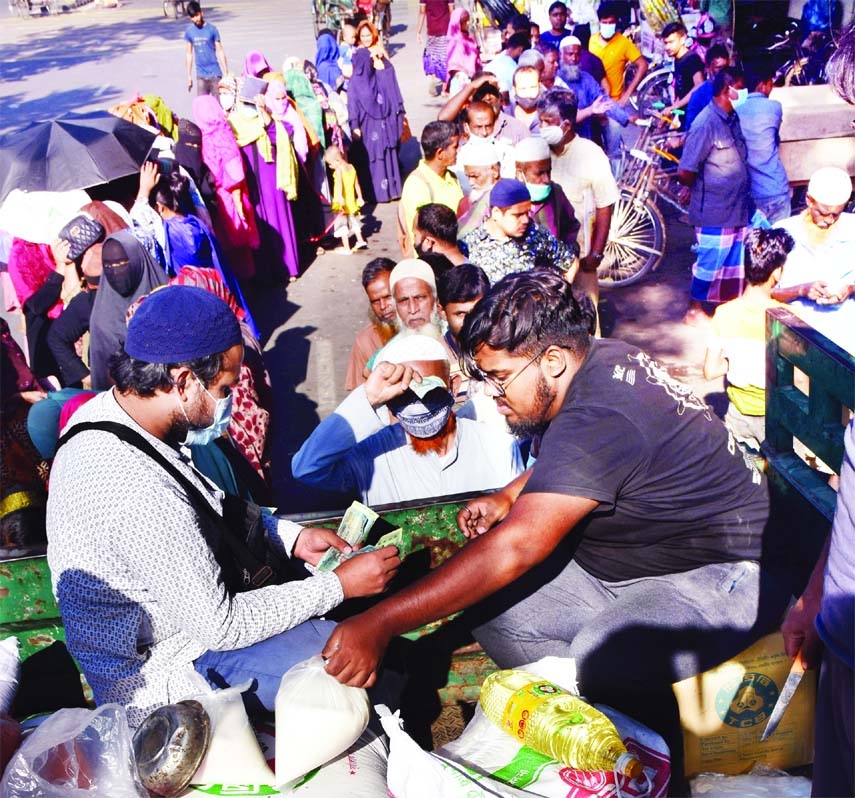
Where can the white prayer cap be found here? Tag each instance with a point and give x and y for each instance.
(412, 267)
(830, 186)
(567, 41)
(531, 148)
(478, 152)
(404, 348)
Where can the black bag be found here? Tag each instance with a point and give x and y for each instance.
(81, 233)
(246, 558)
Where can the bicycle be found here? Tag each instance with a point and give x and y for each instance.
(637, 236)
(329, 14)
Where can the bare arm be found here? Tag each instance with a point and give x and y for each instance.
(798, 627)
(813, 291)
(481, 514)
(641, 67)
(715, 364)
(484, 566)
(599, 237)
(189, 61)
(697, 80)
(457, 102)
(221, 56)
(420, 24)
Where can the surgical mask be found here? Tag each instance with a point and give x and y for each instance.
(527, 103)
(227, 101)
(539, 191)
(608, 30)
(553, 135)
(222, 417)
(573, 73)
(741, 97)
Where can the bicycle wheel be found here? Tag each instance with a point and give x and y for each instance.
(654, 89)
(636, 242)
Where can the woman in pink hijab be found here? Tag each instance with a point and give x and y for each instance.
(463, 54)
(235, 225)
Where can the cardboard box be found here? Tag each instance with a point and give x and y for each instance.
(725, 710)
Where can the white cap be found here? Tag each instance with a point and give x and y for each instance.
(407, 347)
(412, 267)
(478, 152)
(567, 41)
(830, 186)
(531, 148)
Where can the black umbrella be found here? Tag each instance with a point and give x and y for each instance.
(75, 151)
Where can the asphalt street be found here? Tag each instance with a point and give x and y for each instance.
(94, 57)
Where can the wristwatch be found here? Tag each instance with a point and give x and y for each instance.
(597, 256)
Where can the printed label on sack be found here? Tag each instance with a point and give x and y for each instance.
(523, 702)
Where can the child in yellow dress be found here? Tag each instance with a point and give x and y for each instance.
(346, 200)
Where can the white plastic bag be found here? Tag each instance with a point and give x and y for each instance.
(317, 718)
(415, 773)
(234, 755)
(761, 782)
(76, 753)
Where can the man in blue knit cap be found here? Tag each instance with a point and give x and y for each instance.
(509, 241)
(136, 536)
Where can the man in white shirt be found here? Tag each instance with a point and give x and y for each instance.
(429, 453)
(582, 169)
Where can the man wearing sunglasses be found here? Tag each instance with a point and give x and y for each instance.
(633, 544)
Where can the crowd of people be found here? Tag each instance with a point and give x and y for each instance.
(480, 369)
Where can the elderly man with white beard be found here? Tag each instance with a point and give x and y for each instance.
(428, 453)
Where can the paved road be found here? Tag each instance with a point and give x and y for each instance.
(94, 57)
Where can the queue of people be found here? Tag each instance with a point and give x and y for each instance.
(480, 370)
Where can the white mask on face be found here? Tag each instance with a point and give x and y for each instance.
(219, 424)
(552, 134)
(608, 30)
(227, 101)
(741, 97)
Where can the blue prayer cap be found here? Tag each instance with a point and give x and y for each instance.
(180, 323)
(508, 192)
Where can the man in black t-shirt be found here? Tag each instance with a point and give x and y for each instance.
(636, 544)
(688, 66)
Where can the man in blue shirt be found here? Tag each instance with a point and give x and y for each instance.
(717, 59)
(593, 100)
(204, 45)
(760, 120)
(714, 166)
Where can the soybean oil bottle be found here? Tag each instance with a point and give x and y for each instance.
(553, 722)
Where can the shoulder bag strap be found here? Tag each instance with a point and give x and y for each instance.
(239, 549)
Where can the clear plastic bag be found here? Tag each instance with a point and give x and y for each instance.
(317, 718)
(234, 756)
(76, 753)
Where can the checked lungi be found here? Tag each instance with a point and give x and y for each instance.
(718, 274)
(435, 57)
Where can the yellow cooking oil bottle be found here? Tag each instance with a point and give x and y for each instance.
(553, 722)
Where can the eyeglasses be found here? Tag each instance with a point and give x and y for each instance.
(500, 387)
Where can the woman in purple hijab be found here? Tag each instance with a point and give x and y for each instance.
(260, 141)
(376, 111)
